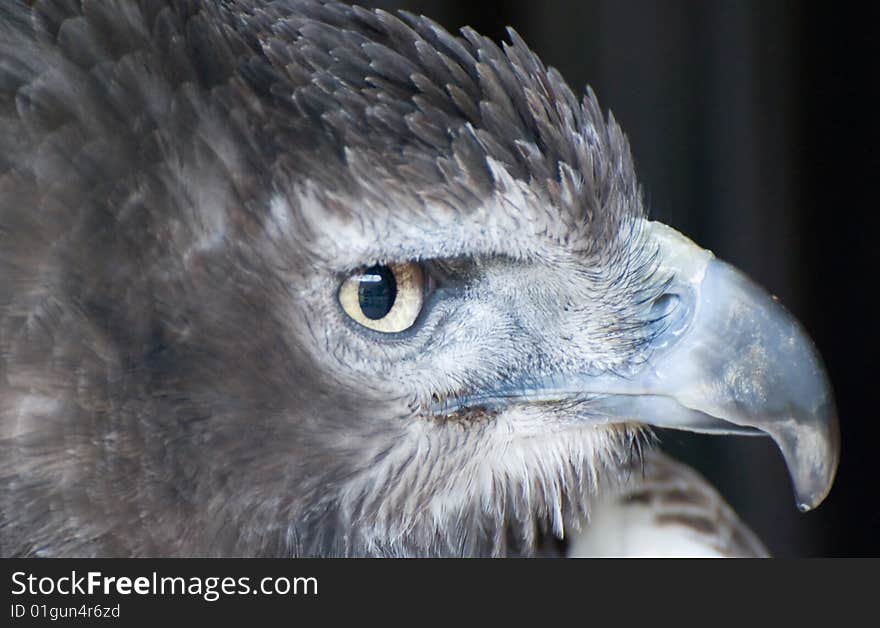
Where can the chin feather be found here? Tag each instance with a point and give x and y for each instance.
(504, 492)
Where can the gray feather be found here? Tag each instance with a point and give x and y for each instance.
(160, 392)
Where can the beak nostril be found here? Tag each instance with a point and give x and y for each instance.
(664, 305)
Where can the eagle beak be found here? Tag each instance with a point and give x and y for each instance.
(723, 357)
(728, 358)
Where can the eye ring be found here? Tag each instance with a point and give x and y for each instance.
(387, 299)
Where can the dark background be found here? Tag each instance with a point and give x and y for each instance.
(754, 131)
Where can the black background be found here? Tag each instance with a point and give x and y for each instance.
(754, 129)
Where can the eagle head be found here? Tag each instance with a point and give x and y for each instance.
(302, 278)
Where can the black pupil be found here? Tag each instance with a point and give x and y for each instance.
(377, 290)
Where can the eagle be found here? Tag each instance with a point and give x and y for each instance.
(300, 278)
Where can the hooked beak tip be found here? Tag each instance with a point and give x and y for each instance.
(747, 361)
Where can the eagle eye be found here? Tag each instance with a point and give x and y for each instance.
(387, 299)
